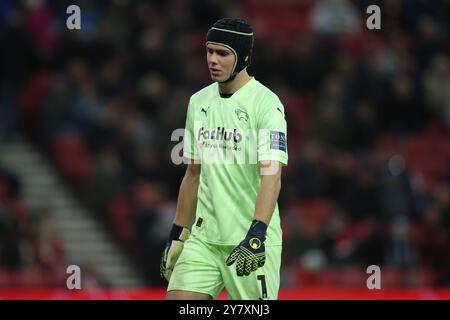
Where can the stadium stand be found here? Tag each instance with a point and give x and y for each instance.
(368, 115)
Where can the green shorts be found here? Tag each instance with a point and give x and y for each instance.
(201, 268)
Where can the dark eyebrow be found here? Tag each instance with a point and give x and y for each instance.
(220, 51)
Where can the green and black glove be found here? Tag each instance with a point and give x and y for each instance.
(250, 253)
(178, 235)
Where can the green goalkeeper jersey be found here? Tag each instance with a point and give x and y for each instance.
(228, 137)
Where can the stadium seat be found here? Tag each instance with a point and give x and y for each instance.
(31, 97)
(315, 212)
(73, 159)
(119, 213)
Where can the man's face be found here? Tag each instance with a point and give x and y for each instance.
(220, 61)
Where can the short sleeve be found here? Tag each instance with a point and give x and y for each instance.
(272, 130)
(189, 146)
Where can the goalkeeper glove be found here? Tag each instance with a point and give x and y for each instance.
(250, 253)
(178, 235)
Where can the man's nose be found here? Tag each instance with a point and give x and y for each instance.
(213, 58)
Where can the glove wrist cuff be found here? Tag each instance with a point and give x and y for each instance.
(258, 228)
(179, 233)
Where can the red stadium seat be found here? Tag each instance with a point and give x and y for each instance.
(73, 159)
(279, 23)
(120, 213)
(31, 98)
(315, 212)
(393, 277)
(32, 277)
(5, 278)
(351, 277)
(428, 155)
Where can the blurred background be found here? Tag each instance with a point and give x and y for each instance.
(86, 118)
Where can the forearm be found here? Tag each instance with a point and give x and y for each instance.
(187, 200)
(249, 254)
(267, 197)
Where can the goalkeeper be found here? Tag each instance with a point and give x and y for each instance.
(226, 232)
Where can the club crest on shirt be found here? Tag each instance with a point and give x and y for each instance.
(241, 114)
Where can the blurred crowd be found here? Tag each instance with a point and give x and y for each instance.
(368, 116)
(31, 251)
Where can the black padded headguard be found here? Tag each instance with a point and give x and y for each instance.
(236, 35)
